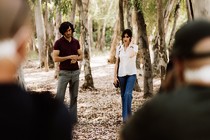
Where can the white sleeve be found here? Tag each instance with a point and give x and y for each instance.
(117, 51)
(136, 48)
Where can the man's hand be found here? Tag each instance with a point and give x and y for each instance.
(73, 61)
(73, 57)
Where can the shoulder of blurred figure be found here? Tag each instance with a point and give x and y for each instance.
(52, 114)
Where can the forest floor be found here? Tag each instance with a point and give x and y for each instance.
(99, 111)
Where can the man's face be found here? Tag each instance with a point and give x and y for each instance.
(68, 33)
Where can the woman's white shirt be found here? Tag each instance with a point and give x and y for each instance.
(127, 65)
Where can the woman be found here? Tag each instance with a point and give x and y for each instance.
(126, 73)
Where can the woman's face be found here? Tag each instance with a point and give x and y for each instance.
(126, 39)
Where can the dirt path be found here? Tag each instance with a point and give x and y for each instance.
(99, 111)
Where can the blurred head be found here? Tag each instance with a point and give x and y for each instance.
(126, 36)
(14, 33)
(191, 53)
(66, 29)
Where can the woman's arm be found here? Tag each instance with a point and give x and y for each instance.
(115, 70)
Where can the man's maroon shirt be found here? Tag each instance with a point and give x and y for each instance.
(67, 48)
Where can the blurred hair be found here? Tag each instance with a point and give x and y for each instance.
(13, 15)
(128, 32)
(64, 26)
(188, 36)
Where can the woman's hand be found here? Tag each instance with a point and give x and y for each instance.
(132, 53)
(116, 80)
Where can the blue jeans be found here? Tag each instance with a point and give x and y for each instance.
(126, 88)
(71, 77)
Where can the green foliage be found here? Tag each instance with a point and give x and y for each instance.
(108, 36)
(137, 3)
(77, 29)
(32, 55)
(149, 9)
(104, 11)
(63, 5)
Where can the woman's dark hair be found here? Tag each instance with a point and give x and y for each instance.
(64, 26)
(128, 32)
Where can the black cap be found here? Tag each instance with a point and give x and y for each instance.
(188, 36)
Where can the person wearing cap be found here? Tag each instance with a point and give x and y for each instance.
(67, 52)
(184, 113)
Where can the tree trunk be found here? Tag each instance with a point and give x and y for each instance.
(90, 26)
(121, 16)
(41, 36)
(57, 36)
(128, 14)
(49, 36)
(103, 36)
(155, 66)
(83, 6)
(143, 42)
(167, 14)
(201, 9)
(162, 52)
(57, 23)
(176, 15)
(115, 41)
(73, 11)
(189, 10)
(99, 36)
(135, 39)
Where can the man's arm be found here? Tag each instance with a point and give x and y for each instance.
(80, 55)
(57, 58)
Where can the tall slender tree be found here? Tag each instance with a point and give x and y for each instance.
(73, 11)
(41, 35)
(143, 42)
(83, 9)
(162, 45)
(121, 15)
(58, 20)
(115, 40)
(49, 33)
(176, 15)
(200, 9)
(127, 14)
(168, 9)
(189, 10)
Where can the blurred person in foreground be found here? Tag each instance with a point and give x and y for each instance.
(184, 114)
(24, 116)
(125, 72)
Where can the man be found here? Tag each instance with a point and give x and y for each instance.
(184, 113)
(67, 51)
(24, 116)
